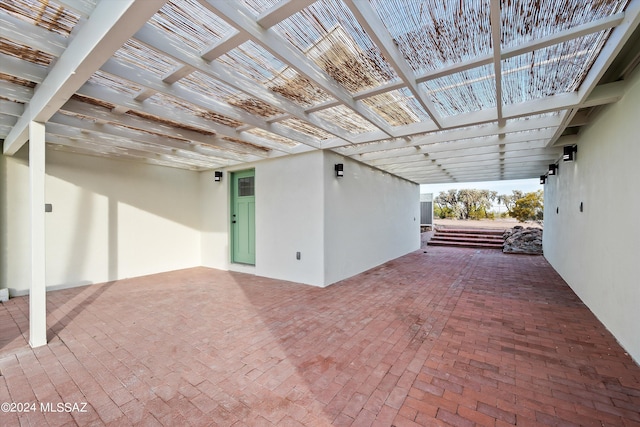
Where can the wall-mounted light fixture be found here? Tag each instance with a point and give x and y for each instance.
(553, 169)
(569, 153)
(543, 179)
(339, 168)
(218, 176)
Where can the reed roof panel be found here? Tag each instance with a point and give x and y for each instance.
(265, 134)
(192, 109)
(43, 13)
(432, 34)
(306, 128)
(24, 52)
(560, 68)
(346, 119)
(112, 82)
(329, 35)
(526, 20)
(398, 107)
(463, 92)
(191, 22)
(146, 58)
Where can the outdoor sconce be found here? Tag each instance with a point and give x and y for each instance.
(543, 179)
(553, 169)
(339, 168)
(569, 153)
(218, 176)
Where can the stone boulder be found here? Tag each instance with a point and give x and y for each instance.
(520, 240)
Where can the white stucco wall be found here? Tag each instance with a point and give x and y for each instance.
(597, 251)
(110, 220)
(340, 227)
(371, 217)
(289, 219)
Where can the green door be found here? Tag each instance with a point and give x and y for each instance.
(243, 212)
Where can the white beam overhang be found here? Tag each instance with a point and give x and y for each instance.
(105, 115)
(158, 40)
(108, 28)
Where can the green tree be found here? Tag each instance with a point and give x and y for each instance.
(529, 207)
(475, 203)
(509, 200)
(446, 204)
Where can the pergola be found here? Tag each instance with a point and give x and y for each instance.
(408, 87)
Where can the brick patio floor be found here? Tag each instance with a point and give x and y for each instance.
(457, 337)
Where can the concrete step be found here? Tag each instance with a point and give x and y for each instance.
(465, 244)
(466, 236)
(484, 231)
(479, 238)
(471, 239)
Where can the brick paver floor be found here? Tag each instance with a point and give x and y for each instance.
(457, 337)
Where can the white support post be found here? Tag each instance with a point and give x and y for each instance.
(38, 291)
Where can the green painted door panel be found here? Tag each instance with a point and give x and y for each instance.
(243, 211)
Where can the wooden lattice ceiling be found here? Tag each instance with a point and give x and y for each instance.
(407, 86)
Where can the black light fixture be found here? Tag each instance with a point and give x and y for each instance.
(543, 179)
(569, 153)
(218, 176)
(553, 169)
(339, 168)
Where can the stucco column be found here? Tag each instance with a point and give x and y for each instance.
(38, 290)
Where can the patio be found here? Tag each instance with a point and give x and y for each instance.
(441, 336)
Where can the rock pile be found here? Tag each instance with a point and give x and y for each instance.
(520, 240)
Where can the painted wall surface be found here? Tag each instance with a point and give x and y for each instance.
(340, 227)
(110, 220)
(290, 219)
(597, 251)
(214, 198)
(371, 217)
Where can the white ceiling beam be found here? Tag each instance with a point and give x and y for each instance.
(373, 25)
(81, 7)
(455, 68)
(484, 159)
(67, 145)
(564, 35)
(11, 108)
(125, 133)
(116, 98)
(619, 35)
(108, 28)
(491, 145)
(37, 38)
(280, 48)
(104, 115)
(101, 145)
(457, 134)
(22, 69)
(487, 168)
(177, 73)
(496, 40)
(149, 80)
(174, 49)
(281, 11)
(222, 46)
(560, 37)
(15, 92)
(138, 144)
